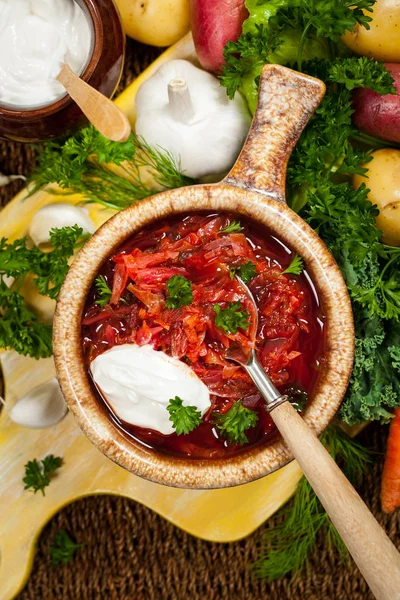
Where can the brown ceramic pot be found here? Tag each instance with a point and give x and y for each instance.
(103, 72)
(254, 188)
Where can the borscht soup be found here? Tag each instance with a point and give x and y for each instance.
(161, 315)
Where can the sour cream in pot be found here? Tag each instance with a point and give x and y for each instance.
(36, 37)
(138, 382)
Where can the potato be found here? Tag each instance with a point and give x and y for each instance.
(155, 22)
(214, 22)
(381, 41)
(379, 115)
(384, 184)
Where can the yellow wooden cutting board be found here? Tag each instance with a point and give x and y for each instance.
(217, 515)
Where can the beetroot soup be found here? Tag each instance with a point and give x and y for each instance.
(172, 288)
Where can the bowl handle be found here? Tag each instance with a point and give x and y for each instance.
(286, 101)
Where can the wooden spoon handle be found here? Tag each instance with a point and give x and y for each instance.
(286, 101)
(373, 552)
(106, 117)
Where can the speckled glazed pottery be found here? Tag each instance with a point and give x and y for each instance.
(254, 188)
(102, 72)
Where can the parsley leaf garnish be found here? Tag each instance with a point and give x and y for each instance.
(38, 474)
(184, 418)
(233, 424)
(245, 272)
(296, 266)
(62, 548)
(104, 291)
(234, 227)
(232, 318)
(179, 292)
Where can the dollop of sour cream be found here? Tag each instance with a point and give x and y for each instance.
(138, 382)
(36, 37)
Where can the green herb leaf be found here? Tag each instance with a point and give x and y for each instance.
(362, 72)
(245, 272)
(38, 474)
(50, 268)
(85, 163)
(233, 424)
(63, 548)
(375, 380)
(234, 227)
(304, 518)
(20, 328)
(308, 34)
(179, 292)
(104, 291)
(288, 32)
(184, 418)
(232, 318)
(296, 266)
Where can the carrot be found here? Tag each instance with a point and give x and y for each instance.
(390, 491)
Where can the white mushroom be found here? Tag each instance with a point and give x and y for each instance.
(186, 111)
(57, 215)
(42, 407)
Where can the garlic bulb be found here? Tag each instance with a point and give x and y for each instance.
(6, 179)
(42, 407)
(8, 280)
(186, 111)
(57, 215)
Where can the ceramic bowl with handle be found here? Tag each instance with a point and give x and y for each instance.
(255, 188)
(103, 72)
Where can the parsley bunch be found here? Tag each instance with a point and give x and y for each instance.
(86, 164)
(288, 32)
(306, 34)
(20, 328)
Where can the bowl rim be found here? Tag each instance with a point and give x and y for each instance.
(74, 380)
(91, 10)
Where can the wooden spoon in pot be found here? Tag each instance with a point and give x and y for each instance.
(102, 113)
(373, 552)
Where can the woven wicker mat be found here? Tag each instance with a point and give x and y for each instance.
(132, 553)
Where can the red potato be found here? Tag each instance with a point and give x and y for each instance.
(378, 115)
(214, 22)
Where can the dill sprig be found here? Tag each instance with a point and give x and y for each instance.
(106, 172)
(286, 547)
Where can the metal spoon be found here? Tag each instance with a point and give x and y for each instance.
(373, 552)
(249, 361)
